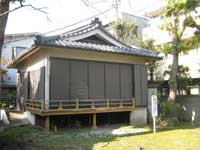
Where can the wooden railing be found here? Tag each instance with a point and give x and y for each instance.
(79, 104)
(37, 105)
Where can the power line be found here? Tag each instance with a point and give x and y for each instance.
(87, 3)
(89, 18)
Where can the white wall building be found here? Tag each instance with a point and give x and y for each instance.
(141, 22)
(14, 44)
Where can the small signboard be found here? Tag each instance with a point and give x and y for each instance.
(154, 110)
(154, 105)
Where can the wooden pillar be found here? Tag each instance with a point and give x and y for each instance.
(47, 82)
(94, 122)
(47, 123)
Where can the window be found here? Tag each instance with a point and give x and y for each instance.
(16, 51)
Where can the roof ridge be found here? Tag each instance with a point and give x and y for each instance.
(93, 24)
(90, 27)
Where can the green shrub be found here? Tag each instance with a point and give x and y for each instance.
(14, 137)
(171, 122)
(7, 104)
(169, 109)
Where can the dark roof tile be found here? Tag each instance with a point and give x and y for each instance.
(98, 47)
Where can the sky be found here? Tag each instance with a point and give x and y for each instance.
(62, 13)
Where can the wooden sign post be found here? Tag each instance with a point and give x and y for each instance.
(154, 110)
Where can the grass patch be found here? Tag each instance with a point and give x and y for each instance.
(184, 137)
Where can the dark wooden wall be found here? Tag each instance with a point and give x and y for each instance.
(22, 88)
(36, 84)
(140, 78)
(31, 85)
(71, 79)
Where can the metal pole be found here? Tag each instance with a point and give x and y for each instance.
(154, 124)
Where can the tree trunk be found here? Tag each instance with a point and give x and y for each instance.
(173, 77)
(151, 75)
(4, 7)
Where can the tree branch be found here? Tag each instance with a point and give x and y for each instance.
(22, 6)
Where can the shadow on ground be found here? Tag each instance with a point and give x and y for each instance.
(31, 138)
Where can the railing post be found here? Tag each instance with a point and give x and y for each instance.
(121, 105)
(133, 102)
(107, 102)
(60, 105)
(42, 105)
(77, 104)
(32, 104)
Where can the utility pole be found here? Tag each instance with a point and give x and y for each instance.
(116, 4)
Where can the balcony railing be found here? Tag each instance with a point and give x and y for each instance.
(79, 105)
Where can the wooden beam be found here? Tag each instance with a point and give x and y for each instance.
(81, 111)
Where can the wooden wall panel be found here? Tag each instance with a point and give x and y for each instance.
(140, 89)
(144, 84)
(41, 91)
(71, 79)
(79, 79)
(59, 79)
(32, 92)
(112, 81)
(96, 80)
(126, 81)
(23, 85)
(35, 84)
(36, 76)
(137, 84)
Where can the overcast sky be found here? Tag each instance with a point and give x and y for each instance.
(65, 12)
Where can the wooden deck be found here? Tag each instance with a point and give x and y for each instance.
(79, 106)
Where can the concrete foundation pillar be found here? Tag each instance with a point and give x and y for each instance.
(4, 117)
(138, 116)
(30, 117)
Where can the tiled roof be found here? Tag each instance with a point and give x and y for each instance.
(65, 41)
(94, 25)
(96, 47)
